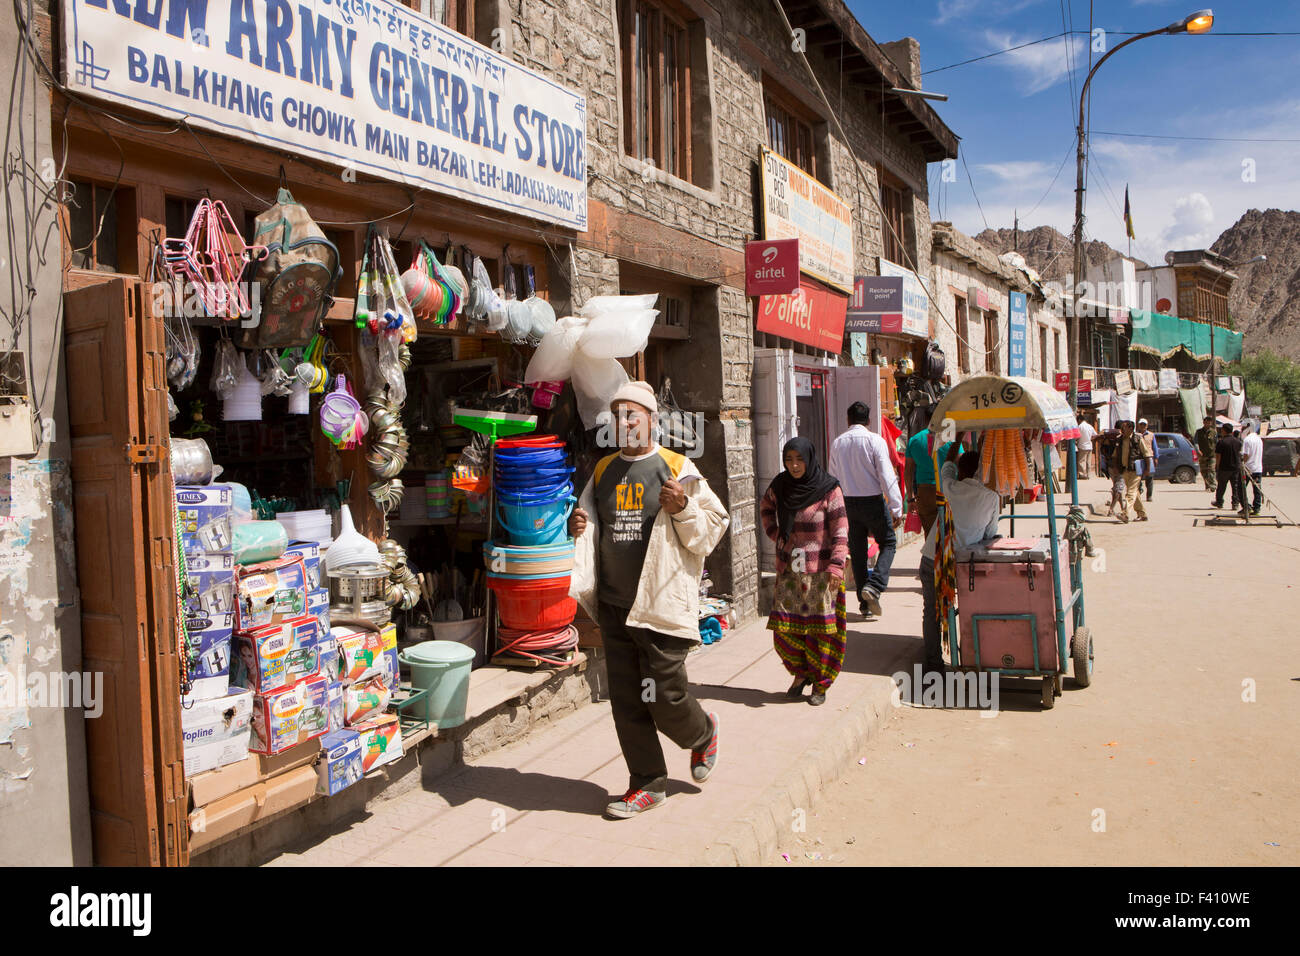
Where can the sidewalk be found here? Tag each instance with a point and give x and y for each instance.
(541, 801)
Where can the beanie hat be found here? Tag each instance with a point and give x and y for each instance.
(638, 392)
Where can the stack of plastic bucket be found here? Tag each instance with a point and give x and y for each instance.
(529, 569)
(437, 488)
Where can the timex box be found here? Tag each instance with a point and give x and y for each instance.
(340, 762)
(204, 515)
(212, 583)
(309, 551)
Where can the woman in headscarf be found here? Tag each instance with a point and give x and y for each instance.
(803, 512)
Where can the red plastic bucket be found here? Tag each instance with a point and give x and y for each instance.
(534, 604)
(533, 441)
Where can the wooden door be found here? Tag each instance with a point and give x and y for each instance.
(124, 519)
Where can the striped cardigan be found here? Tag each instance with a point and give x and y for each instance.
(821, 530)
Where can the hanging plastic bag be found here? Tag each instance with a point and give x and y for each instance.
(553, 360)
(390, 366)
(619, 326)
(595, 380)
(225, 369)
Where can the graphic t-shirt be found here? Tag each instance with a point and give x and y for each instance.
(627, 503)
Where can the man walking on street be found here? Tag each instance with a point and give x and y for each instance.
(1252, 464)
(860, 460)
(1227, 455)
(1129, 453)
(637, 572)
(1205, 442)
(1150, 454)
(1086, 435)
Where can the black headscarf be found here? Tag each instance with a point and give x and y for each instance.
(793, 495)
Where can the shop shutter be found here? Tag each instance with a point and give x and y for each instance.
(123, 524)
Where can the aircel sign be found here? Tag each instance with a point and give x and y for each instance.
(369, 85)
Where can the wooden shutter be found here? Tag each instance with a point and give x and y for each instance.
(123, 512)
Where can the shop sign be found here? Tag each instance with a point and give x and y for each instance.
(1018, 314)
(1083, 393)
(803, 385)
(771, 267)
(915, 319)
(814, 315)
(368, 85)
(796, 206)
(978, 297)
(877, 301)
(1062, 381)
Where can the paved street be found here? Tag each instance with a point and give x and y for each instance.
(1184, 770)
(1162, 742)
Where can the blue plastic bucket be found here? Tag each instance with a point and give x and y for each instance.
(535, 497)
(537, 524)
(546, 473)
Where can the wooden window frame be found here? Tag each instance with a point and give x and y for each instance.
(963, 334)
(1042, 351)
(651, 132)
(124, 225)
(895, 201)
(797, 125)
(1056, 341)
(459, 15)
(992, 360)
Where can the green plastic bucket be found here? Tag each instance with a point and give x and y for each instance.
(443, 668)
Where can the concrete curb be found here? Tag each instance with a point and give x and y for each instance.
(752, 839)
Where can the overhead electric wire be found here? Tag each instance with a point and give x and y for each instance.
(986, 56)
(1208, 139)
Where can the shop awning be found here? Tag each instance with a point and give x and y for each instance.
(994, 401)
(1165, 335)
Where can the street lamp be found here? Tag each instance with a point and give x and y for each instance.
(1214, 285)
(1194, 23)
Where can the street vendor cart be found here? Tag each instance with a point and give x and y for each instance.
(1008, 606)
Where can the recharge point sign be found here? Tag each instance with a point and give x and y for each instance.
(369, 85)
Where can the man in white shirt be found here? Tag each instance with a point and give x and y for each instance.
(1252, 463)
(1086, 435)
(859, 458)
(974, 508)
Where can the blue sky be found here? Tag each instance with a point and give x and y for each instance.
(1015, 114)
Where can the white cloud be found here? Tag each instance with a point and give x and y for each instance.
(988, 10)
(1024, 172)
(1042, 65)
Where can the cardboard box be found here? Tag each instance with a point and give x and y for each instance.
(273, 765)
(337, 718)
(288, 716)
(388, 637)
(212, 584)
(340, 764)
(270, 593)
(218, 753)
(309, 551)
(245, 807)
(318, 606)
(204, 516)
(277, 656)
(363, 698)
(217, 719)
(212, 785)
(381, 741)
(364, 654)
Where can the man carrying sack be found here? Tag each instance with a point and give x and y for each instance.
(645, 523)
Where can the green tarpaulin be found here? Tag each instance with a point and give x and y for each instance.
(1163, 335)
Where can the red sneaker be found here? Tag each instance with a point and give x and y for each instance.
(633, 802)
(703, 761)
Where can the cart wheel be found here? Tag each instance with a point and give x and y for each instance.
(1049, 693)
(1081, 652)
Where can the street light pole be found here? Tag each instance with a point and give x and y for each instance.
(1198, 22)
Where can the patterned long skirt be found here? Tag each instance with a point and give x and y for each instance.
(809, 622)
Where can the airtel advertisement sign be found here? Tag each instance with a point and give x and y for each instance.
(771, 267)
(813, 315)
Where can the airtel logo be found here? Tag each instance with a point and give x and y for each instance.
(769, 253)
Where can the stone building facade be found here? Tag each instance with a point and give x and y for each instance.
(971, 287)
(652, 230)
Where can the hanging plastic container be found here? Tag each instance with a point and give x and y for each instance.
(442, 668)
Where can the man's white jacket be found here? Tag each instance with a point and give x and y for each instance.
(668, 595)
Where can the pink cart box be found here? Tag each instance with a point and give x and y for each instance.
(1002, 587)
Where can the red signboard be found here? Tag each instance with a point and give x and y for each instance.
(1062, 381)
(771, 266)
(1084, 395)
(814, 316)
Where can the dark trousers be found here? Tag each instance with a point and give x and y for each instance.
(1257, 493)
(869, 517)
(1149, 481)
(1229, 478)
(929, 624)
(648, 693)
